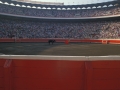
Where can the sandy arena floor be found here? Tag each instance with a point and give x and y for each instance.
(73, 49)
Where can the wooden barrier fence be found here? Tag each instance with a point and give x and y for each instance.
(59, 73)
(105, 41)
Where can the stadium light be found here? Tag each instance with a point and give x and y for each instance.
(18, 5)
(58, 8)
(105, 6)
(99, 7)
(33, 7)
(12, 4)
(28, 6)
(78, 8)
(43, 8)
(88, 7)
(63, 8)
(1, 2)
(83, 8)
(38, 7)
(68, 8)
(23, 6)
(49, 8)
(6, 3)
(110, 5)
(53, 8)
(93, 7)
(73, 8)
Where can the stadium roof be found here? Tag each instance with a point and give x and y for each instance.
(44, 2)
(62, 6)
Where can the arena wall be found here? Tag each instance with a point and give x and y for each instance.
(104, 41)
(59, 73)
(2, 77)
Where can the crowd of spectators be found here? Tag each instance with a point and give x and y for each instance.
(59, 13)
(81, 30)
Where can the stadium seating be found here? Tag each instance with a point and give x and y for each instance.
(81, 30)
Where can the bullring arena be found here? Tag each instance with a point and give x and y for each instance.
(85, 56)
(60, 47)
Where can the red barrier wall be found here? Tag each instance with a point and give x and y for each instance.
(115, 41)
(2, 75)
(48, 75)
(59, 75)
(106, 75)
(7, 40)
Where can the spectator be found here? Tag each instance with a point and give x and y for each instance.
(29, 29)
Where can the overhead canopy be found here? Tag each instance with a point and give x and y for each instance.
(62, 6)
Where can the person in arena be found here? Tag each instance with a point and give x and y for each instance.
(51, 41)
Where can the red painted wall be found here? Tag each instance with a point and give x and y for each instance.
(59, 75)
(106, 75)
(61, 40)
(48, 75)
(1, 75)
(6, 40)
